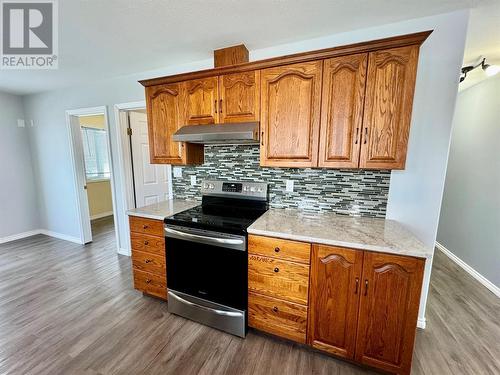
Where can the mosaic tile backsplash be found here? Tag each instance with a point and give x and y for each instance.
(348, 192)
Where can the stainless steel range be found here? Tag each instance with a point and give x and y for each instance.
(206, 252)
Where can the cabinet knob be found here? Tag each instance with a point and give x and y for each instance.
(145, 226)
(146, 243)
(276, 269)
(366, 287)
(148, 261)
(277, 249)
(357, 285)
(148, 281)
(275, 309)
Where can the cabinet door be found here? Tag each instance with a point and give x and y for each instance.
(388, 311)
(239, 97)
(201, 101)
(334, 298)
(388, 106)
(164, 118)
(342, 111)
(290, 110)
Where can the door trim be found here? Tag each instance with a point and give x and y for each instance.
(78, 170)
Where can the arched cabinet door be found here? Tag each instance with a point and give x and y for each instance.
(334, 298)
(201, 101)
(388, 107)
(239, 97)
(290, 114)
(388, 311)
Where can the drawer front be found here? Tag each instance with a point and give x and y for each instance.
(146, 226)
(281, 249)
(284, 319)
(278, 278)
(148, 244)
(149, 263)
(150, 283)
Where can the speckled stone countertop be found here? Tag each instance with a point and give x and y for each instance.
(160, 211)
(387, 236)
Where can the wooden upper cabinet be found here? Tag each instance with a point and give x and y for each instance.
(201, 101)
(343, 96)
(333, 299)
(388, 106)
(290, 115)
(388, 311)
(239, 97)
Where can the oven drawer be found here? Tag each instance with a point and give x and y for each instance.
(149, 263)
(146, 226)
(278, 278)
(150, 283)
(278, 248)
(147, 243)
(281, 318)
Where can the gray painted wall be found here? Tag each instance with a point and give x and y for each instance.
(470, 215)
(18, 205)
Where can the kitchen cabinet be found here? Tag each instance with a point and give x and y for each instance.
(200, 101)
(165, 117)
(388, 311)
(148, 256)
(344, 80)
(290, 115)
(388, 106)
(334, 298)
(239, 97)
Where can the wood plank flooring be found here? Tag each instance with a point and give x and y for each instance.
(71, 309)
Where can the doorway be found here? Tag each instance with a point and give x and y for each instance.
(93, 172)
(145, 183)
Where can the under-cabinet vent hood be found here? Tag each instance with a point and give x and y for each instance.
(240, 133)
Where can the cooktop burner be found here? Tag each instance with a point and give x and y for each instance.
(226, 207)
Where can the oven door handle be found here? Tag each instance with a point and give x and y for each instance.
(215, 311)
(206, 239)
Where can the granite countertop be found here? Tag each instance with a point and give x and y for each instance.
(159, 211)
(381, 235)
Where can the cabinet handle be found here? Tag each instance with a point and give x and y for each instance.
(148, 281)
(262, 139)
(366, 287)
(148, 261)
(145, 226)
(275, 309)
(220, 106)
(276, 269)
(276, 249)
(366, 135)
(357, 285)
(357, 136)
(215, 104)
(146, 243)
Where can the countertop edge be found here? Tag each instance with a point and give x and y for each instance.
(323, 241)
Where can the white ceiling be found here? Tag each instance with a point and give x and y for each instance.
(102, 39)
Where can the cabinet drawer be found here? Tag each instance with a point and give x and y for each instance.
(148, 244)
(146, 226)
(284, 319)
(149, 263)
(150, 283)
(278, 278)
(279, 248)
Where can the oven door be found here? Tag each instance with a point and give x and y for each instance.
(207, 265)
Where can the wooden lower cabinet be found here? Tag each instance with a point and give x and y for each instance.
(148, 256)
(362, 305)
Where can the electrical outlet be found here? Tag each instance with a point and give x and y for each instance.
(193, 180)
(177, 172)
(289, 186)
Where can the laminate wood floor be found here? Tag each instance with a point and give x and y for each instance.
(71, 309)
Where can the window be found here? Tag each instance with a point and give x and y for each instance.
(96, 154)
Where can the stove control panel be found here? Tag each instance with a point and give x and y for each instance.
(243, 189)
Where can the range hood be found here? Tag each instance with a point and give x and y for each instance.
(219, 134)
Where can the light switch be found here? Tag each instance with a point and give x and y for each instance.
(193, 180)
(289, 186)
(177, 172)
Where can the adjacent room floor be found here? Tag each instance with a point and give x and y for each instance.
(71, 309)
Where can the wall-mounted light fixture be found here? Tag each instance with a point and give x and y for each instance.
(490, 70)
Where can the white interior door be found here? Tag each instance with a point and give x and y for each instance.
(151, 181)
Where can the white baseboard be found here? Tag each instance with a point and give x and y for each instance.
(101, 215)
(421, 323)
(471, 271)
(19, 236)
(123, 251)
(61, 236)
